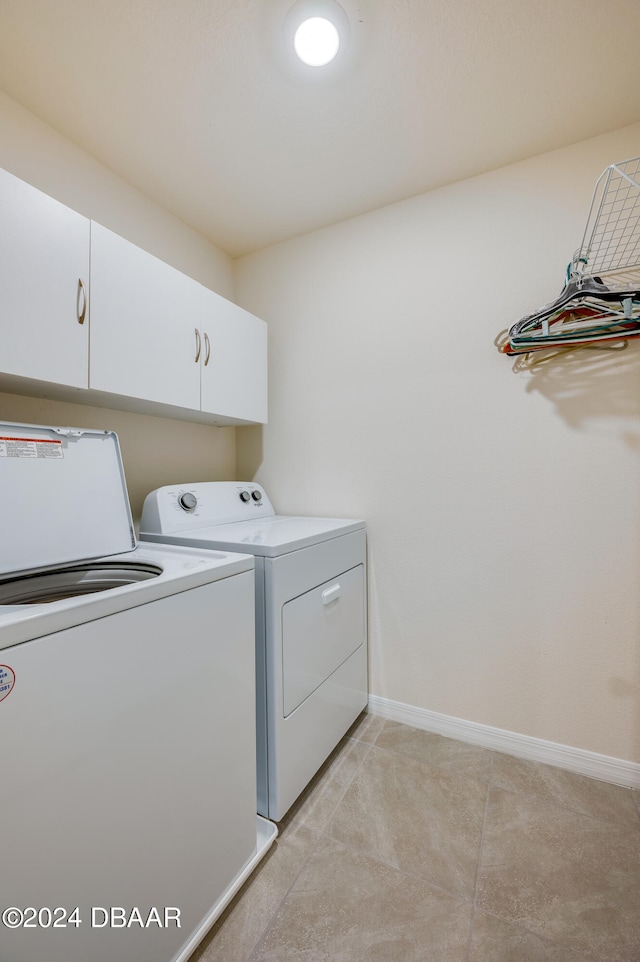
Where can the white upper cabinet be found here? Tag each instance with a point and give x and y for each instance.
(44, 276)
(81, 308)
(144, 315)
(234, 360)
(158, 335)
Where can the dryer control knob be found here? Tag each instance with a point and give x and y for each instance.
(245, 496)
(187, 501)
(256, 495)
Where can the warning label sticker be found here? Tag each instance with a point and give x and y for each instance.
(7, 681)
(30, 448)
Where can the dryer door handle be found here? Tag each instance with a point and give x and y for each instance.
(331, 594)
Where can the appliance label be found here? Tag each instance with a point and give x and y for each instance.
(30, 448)
(7, 681)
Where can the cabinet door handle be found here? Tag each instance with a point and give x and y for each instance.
(198, 346)
(208, 346)
(81, 298)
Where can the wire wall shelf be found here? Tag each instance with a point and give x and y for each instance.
(600, 301)
(611, 241)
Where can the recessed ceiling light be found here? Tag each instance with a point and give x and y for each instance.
(313, 31)
(316, 41)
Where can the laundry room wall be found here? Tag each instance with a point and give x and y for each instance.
(155, 450)
(503, 505)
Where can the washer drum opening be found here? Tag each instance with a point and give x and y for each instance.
(73, 580)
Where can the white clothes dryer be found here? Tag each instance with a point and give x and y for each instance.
(311, 620)
(127, 769)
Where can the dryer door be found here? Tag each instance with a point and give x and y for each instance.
(320, 630)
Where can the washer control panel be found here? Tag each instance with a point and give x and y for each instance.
(190, 506)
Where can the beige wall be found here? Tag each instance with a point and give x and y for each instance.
(155, 450)
(503, 507)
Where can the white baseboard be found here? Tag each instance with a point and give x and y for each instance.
(608, 769)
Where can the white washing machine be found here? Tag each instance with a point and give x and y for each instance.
(311, 620)
(127, 766)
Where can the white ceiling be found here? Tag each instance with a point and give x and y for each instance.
(200, 104)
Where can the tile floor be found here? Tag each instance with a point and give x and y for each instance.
(411, 847)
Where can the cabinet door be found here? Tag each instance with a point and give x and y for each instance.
(144, 314)
(44, 273)
(234, 365)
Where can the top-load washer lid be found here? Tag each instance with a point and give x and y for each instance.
(64, 497)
